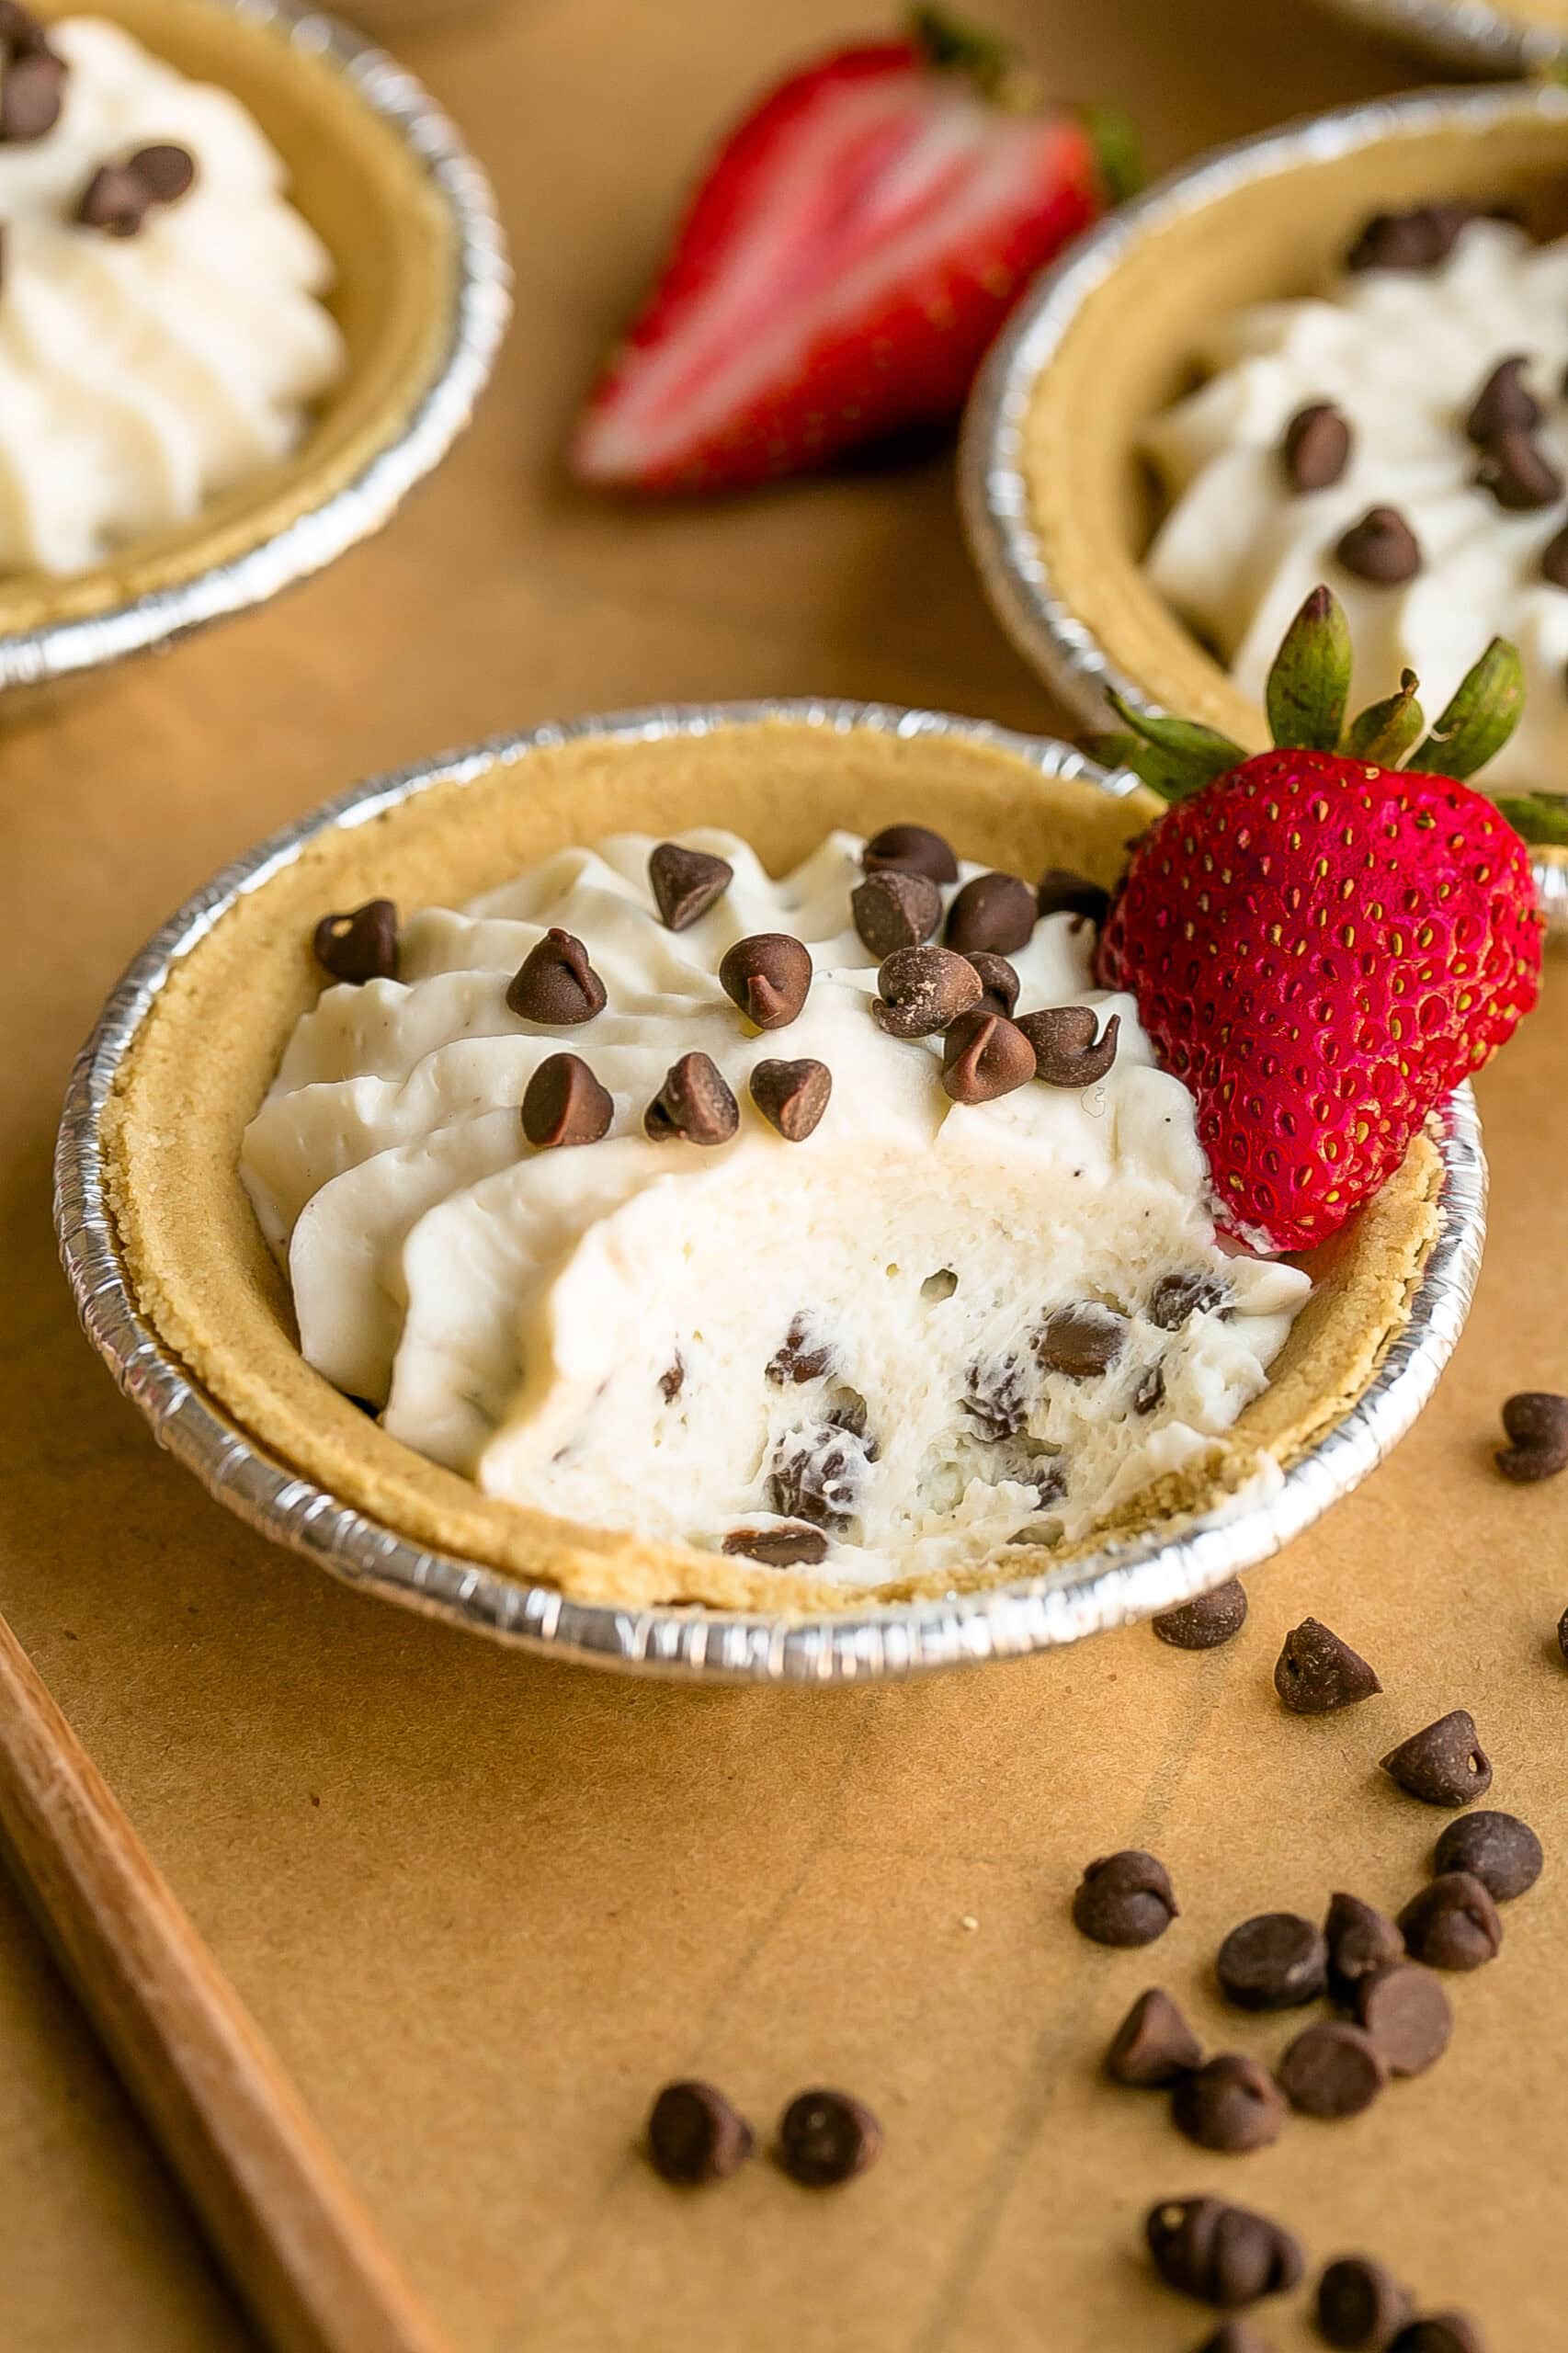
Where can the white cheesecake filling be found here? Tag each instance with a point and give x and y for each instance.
(141, 375)
(850, 1334)
(1402, 354)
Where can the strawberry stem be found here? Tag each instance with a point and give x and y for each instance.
(1309, 683)
(1540, 818)
(1386, 730)
(1172, 756)
(951, 46)
(1481, 718)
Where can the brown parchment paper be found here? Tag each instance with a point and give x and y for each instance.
(485, 1906)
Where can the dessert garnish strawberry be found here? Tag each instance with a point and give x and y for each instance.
(1323, 942)
(853, 247)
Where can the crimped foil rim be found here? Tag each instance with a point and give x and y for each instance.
(1124, 1580)
(1461, 32)
(479, 308)
(993, 489)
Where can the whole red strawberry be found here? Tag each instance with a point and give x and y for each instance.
(851, 253)
(1321, 944)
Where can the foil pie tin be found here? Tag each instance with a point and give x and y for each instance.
(1465, 34)
(1123, 1580)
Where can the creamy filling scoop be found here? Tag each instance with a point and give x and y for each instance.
(841, 1291)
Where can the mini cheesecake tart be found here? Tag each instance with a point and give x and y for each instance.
(551, 1180)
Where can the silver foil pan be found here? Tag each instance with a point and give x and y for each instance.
(1123, 1581)
(481, 304)
(992, 490)
(1465, 34)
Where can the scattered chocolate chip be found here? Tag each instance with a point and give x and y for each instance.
(995, 911)
(1498, 1849)
(1331, 2070)
(1273, 1961)
(686, 883)
(563, 1103)
(1316, 447)
(800, 1357)
(1534, 1423)
(994, 1396)
(985, 1056)
(815, 1474)
(792, 1096)
(555, 985)
(1452, 1922)
(1415, 240)
(695, 2136)
(1316, 1673)
(1222, 2255)
(1124, 1899)
(33, 77)
(1230, 2104)
(359, 947)
(1554, 560)
(1060, 891)
(1519, 473)
(1361, 2303)
(1443, 1765)
(1380, 548)
(910, 850)
(893, 908)
(1504, 400)
(1439, 2332)
(828, 2137)
(114, 200)
(1236, 2336)
(1176, 1298)
(1149, 1390)
(1153, 2045)
(1360, 1941)
(1205, 1622)
(778, 1548)
(672, 1380)
(768, 976)
(695, 1102)
(1066, 1052)
(998, 982)
(1405, 2011)
(166, 170)
(1080, 1340)
(923, 991)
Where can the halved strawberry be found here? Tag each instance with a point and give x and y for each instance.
(848, 257)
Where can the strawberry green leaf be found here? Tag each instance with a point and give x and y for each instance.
(1386, 730)
(953, 46)
(1481, 718)
(1115, 151)
(1173, 756)
(1310, 682)
(1540, 818)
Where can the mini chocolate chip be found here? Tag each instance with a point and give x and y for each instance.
(924, 990)
(1124, 1899)
(563, 1103)
(815, 1474)
(998, 980)
(1316, 447)
(825, 2137)
(1380, 548)
(1149, 1390)
(1405, 2011)
(993, 1397)
(1205, 1622)
(799, 1358)
(894, 909)
(1498, 1849)
(995, 911)
(1534, 1423)
(695, 2136)
(1554, 560)
(984, 1055)
(1060, 891)
(1360, 1941)
(1066, 1052)
(686, 883)
(792, 1096)
(768, 976)
(166, 170)
(359, 947)
(1230, 2104)
(778, 1548)
(1443, 1765)
(1504, 400)
(32, 90)
(1519, 473)
(1359, 2303)
(1222, 2255)
(1080, 1340)
(694, 1102)
(910, 850)
(555, 985)
(1452, 1922)
(1439, 2332)
(1273, 1961)
(672, 1380)
(1176, 1298)
(1153, 2045)
(1331, 2070)
(114, 200)
(1316, 1673)
(1419, 239)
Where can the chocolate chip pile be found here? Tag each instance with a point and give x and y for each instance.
(120, 193)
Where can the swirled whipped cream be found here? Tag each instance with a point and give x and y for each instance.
(929, 1330)
(1375, 436)
(160, 332)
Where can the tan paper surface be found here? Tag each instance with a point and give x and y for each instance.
(485, 1906)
